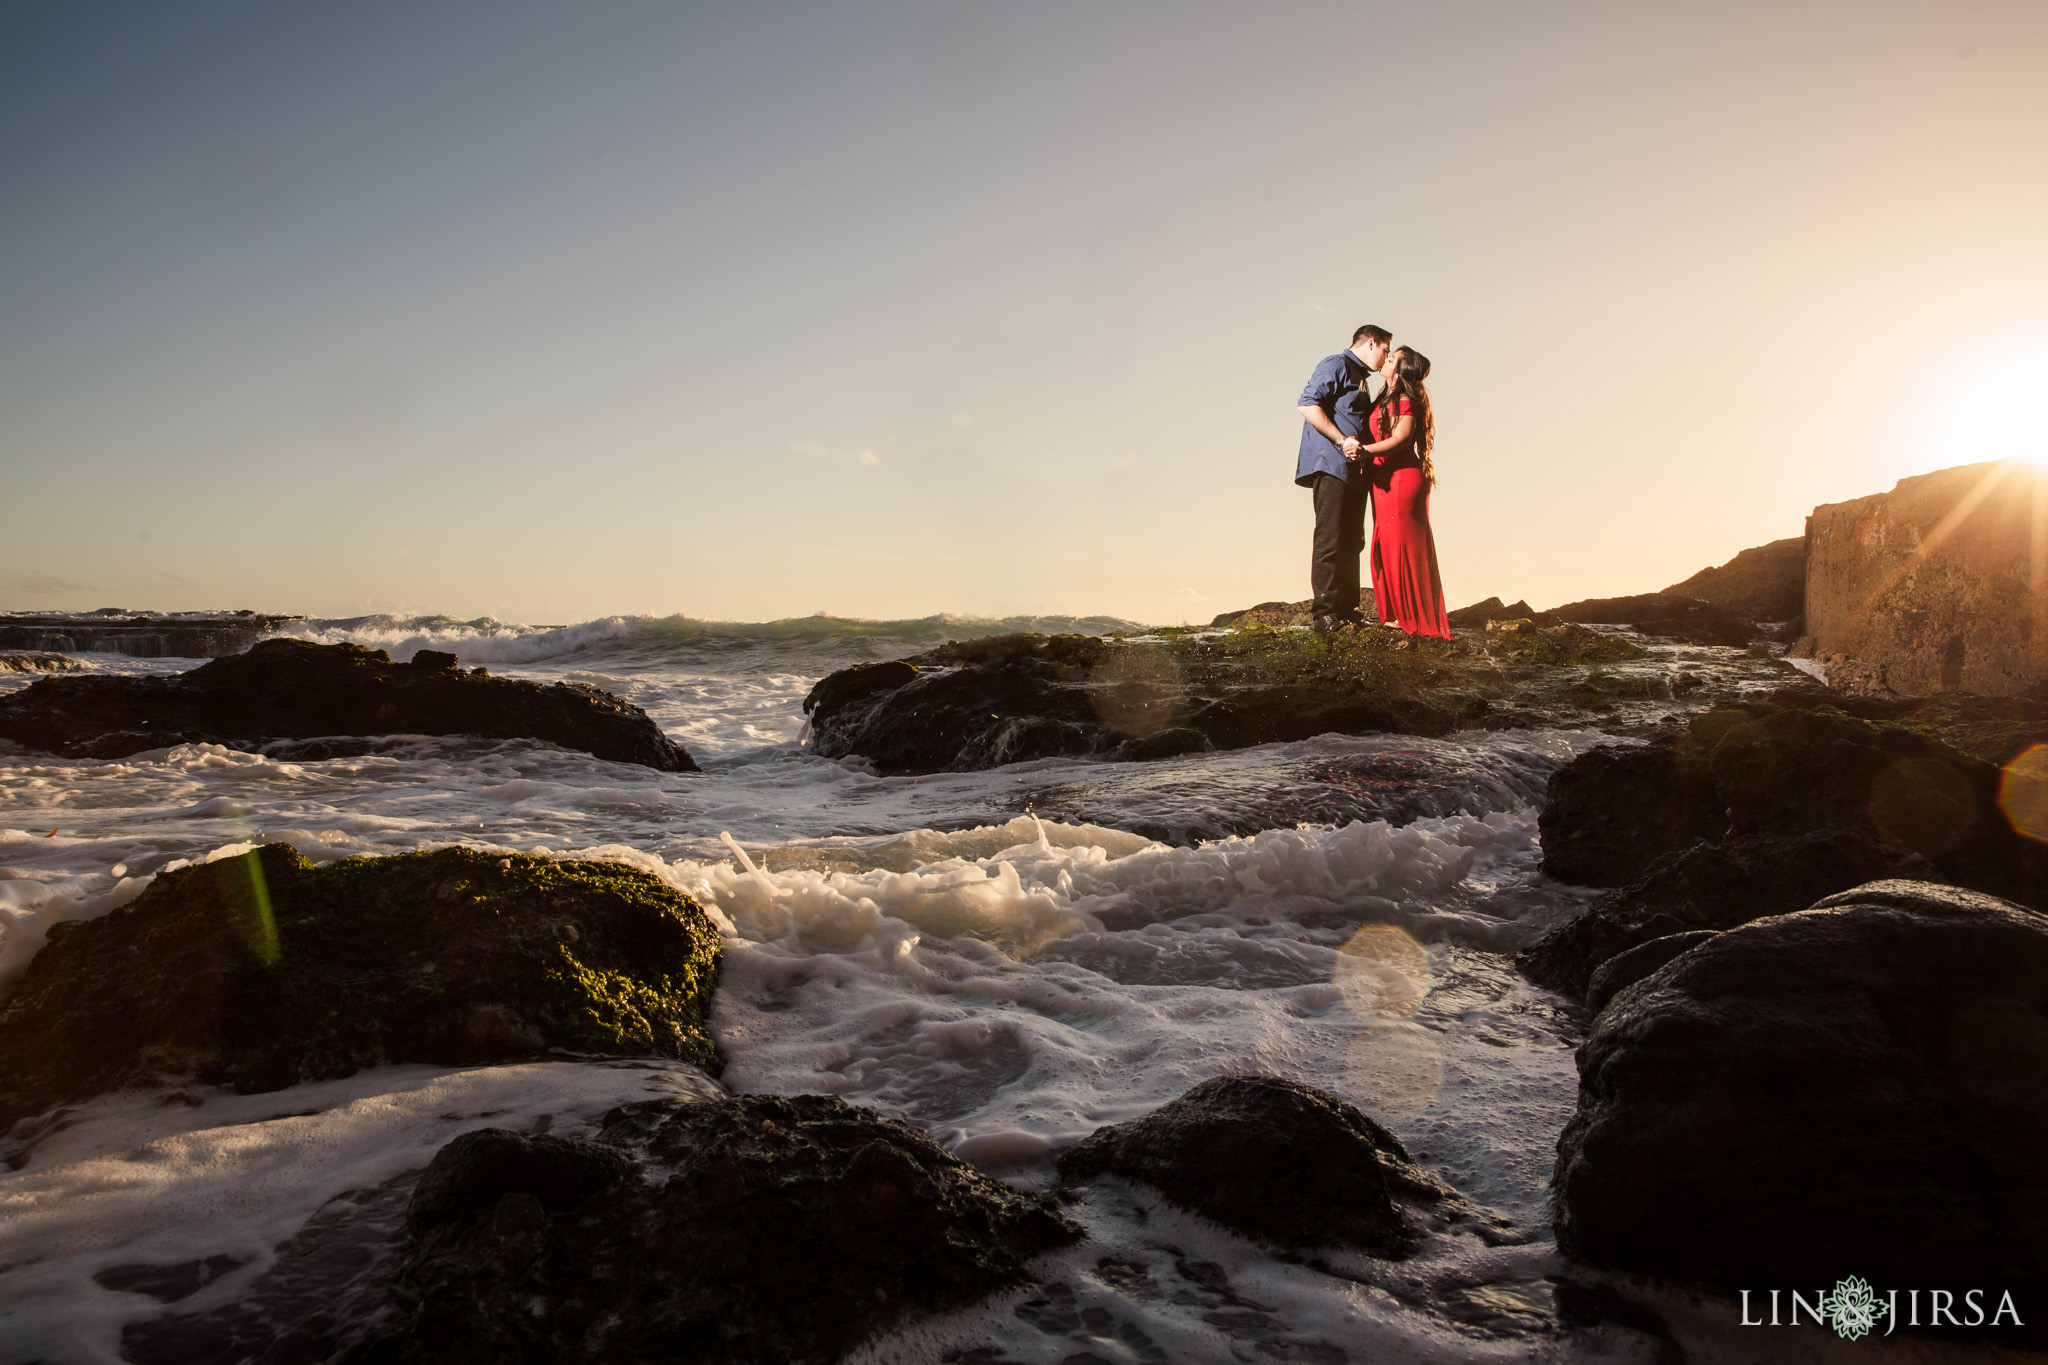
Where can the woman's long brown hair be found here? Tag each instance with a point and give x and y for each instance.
(1410, 369)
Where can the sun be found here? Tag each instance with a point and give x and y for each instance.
(2003, 415)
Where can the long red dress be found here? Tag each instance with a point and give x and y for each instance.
(1406, 586)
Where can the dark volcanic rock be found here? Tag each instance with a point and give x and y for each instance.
(1659, 613)
(1793, 799)
(1279, 1161)
(289, 689)
(1008, 698)
(1716, 886)
(302, 973)
(773, 1230)
(1610, 811)
(1631, 965)
(1859, 1088)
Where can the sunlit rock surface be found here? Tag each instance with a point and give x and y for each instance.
(1931, 587)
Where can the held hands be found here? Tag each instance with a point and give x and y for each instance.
(1351, 447)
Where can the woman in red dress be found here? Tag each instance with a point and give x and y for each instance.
(1405, 584)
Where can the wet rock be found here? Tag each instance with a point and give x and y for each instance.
(32, 661)
(1767, 583)
(1631, 965)
(1005, 699)
(1611, 811)
(478, 1169)
(289, 689)
(764, 1229)
(1788, 765)
(1282, 1162)
(1789, 799)
(264, 971)
(1861, 1087)
(1669, 615)
(1713, 887)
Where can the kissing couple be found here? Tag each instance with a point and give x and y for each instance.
(1367, 431)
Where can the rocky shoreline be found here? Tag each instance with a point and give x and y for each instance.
(300, 700)
(1007, 699)
(1815, 975)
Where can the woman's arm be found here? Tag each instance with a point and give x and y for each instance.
(1404, 427)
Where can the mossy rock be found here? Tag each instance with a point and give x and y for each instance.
(1005, 699)
(263, 971)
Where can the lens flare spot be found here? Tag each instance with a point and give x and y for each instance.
(1922, 804)
(2023, 792)
(1393, 1070)
(1135, 689)
(1383, 973)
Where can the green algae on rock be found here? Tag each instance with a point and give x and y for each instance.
(263, 971)
(1004, 699)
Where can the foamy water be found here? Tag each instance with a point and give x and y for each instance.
(1008, 959)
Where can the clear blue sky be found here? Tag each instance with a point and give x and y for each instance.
(887, 309)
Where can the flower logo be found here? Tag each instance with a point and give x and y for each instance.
(1852, 1309)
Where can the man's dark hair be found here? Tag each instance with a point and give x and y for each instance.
(1379, 334)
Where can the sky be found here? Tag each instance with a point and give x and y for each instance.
(756, 310)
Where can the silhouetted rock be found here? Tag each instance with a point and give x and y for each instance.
(1861, 1087)
(289, 689)
(264, 971)
(1663, 614)
(764, 1229)
(1715, 886)
(1282, 1162)
(140, 634)
(1767, 583)
(1492, 609)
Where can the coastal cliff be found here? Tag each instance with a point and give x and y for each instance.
(1930, 587)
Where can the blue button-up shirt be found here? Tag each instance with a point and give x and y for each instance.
(1334, 389)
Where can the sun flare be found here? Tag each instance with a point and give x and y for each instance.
(2004, 415)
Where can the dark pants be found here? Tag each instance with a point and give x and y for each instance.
(1340, 539)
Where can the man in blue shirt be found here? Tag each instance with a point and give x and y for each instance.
(1333, 413)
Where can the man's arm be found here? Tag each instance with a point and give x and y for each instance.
(1313, 414)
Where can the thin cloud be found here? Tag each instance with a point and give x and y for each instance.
(44, 585)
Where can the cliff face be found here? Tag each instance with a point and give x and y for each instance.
(1930, 587)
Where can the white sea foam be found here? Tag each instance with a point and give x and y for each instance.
(916, 945)
(146, 1179)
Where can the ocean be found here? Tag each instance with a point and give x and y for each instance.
(1008, 959)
